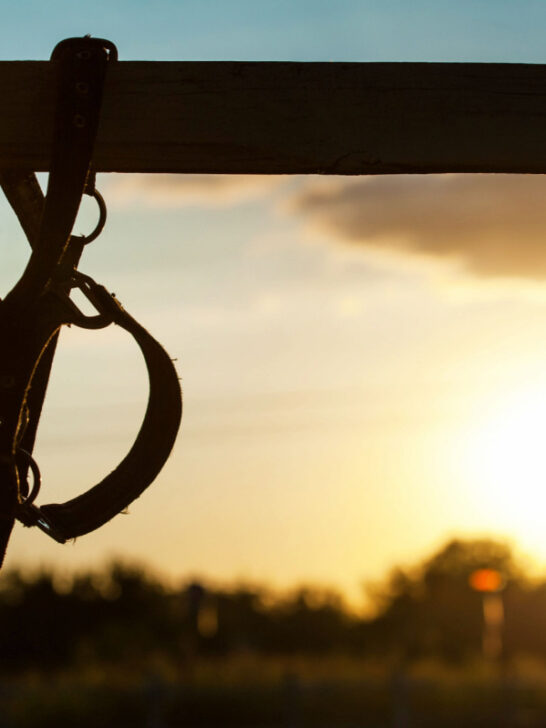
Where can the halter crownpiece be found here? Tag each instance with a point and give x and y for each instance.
(33, 312)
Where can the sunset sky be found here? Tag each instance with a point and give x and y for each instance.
(363, 360)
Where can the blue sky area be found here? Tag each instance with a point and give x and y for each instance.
(296, 30)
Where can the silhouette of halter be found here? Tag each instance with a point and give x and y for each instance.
(33, 312)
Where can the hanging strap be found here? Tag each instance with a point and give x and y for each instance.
(39, 304)
(82, 70)
(154, 441)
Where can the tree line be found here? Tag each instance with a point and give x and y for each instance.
(124, 615)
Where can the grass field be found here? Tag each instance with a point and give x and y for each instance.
(244, 691)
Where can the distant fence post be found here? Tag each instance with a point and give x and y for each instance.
(292, 693)
(155, 690)
(400, 699)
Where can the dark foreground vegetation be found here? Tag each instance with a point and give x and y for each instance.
(120, 648)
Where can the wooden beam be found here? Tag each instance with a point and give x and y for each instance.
(292, 118)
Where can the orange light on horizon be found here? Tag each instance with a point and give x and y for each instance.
(486, 580)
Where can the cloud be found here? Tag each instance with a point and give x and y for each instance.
(494, 225)
(170, 191)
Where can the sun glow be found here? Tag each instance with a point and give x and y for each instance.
(504, 459)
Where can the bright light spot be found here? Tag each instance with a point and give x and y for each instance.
(486, 580)
(504, 459)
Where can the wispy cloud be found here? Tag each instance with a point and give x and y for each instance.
(492, 225)
(170, 191)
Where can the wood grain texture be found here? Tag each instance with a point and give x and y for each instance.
(292, 118)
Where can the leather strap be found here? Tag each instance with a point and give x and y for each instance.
(82, 70)
(149, 452)
(38, 305)
(82, 66)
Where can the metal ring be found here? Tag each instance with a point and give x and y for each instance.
(36, 476)
(84, 239)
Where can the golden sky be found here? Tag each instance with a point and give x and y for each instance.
(363, 369)
(362, 359)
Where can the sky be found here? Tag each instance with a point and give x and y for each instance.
(363, 360)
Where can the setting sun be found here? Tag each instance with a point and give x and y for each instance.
(504, 458)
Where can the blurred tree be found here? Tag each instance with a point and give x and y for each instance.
(124, 615)
(431, 610)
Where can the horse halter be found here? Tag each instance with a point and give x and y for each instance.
(33, 312)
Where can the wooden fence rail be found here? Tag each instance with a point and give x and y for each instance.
(292, 118)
